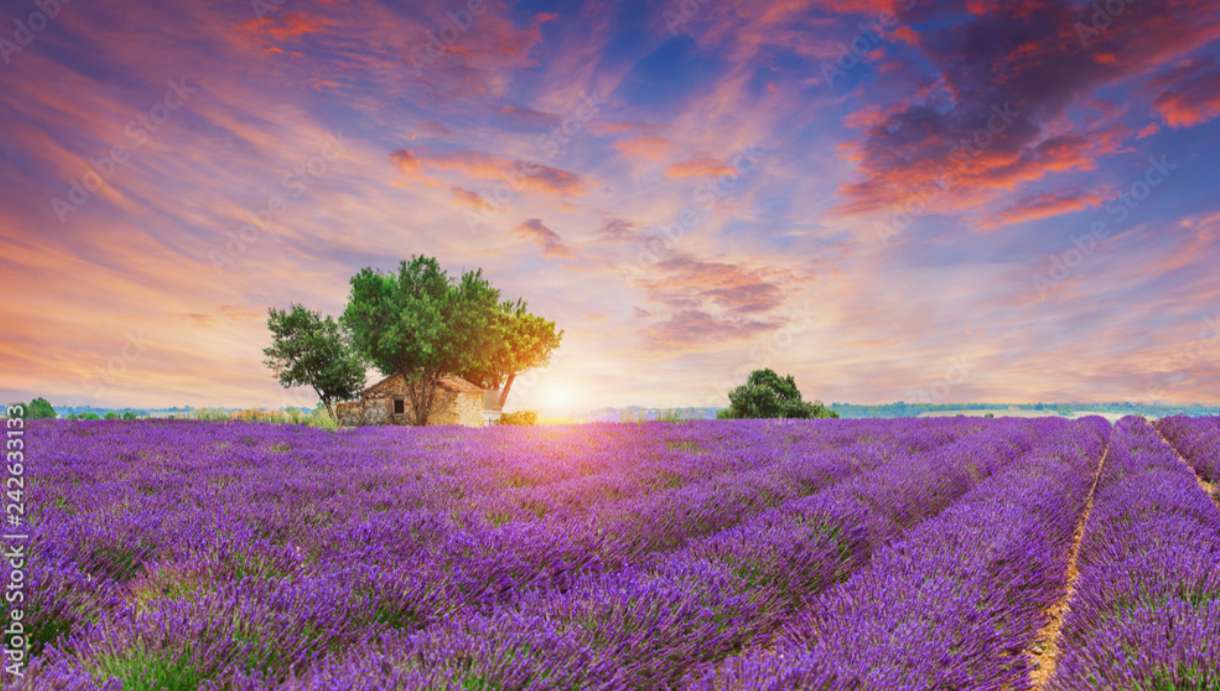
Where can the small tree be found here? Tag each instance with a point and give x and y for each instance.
(768, 395)
(308, 349)
(517, 341)
(39, 408)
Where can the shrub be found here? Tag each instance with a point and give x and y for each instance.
(519, 417)
(39, 408)
(768, 395)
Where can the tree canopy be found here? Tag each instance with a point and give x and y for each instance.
(517, 341)
(308, 349)
(768, 395)
(39, 408)
(422, 323)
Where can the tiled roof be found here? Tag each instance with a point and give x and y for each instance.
(448, 382)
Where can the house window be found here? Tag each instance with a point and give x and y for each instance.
(400, 406)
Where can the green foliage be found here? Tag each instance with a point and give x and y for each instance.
(519, 417)
(516, 341)
(671, 415)
(130, 415)
(39, 409)
(768, 395)
(308, 349)
(423, 324)
(110, 415)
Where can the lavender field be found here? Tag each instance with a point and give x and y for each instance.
(951, 553)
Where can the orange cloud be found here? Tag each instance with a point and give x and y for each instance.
(1192, 95)
(285, 26)
(1043, 206)
(471, 200)
(700, 166)
(644, 146)
(481, 166)
(1148, 130)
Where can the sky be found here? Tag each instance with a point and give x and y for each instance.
(918, 200)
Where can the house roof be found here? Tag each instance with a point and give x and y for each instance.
(460, 385)
(449, 382)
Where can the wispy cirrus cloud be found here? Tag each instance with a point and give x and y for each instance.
(1041, 206)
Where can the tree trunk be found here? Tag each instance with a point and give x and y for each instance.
(421, 392)
(508, 384)
(330, 409)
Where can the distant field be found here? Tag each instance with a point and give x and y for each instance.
(918, 553)
(1022, 413)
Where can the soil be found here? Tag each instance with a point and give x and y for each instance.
(1044, 653)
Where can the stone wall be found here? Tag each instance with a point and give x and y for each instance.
(449, 408)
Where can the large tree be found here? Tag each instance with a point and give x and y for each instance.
(423, 324)
(308, 349)
(519, 341)
(768, 395)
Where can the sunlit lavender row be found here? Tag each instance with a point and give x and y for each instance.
(734, 554)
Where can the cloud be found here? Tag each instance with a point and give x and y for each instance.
(471, 200)
(646, 147)
(286, 25)
(1191, 94)
(700, 166)
(617, 230)
(406, 162)
(694, 329)
(1043, 206)
(477, 165)
(552, 245)
(993, 121)
(681, 280)
(527, 118)
(1148, 130)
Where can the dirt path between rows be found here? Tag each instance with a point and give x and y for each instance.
(1209, 488)
(1044, 653)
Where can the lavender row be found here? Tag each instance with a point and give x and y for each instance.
(1146, 608)
(1198, 440)
(645, 625)
(165, 545)
(956, 602)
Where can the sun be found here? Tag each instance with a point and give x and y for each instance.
(557, 398)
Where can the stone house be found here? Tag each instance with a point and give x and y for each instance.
(458, 402)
